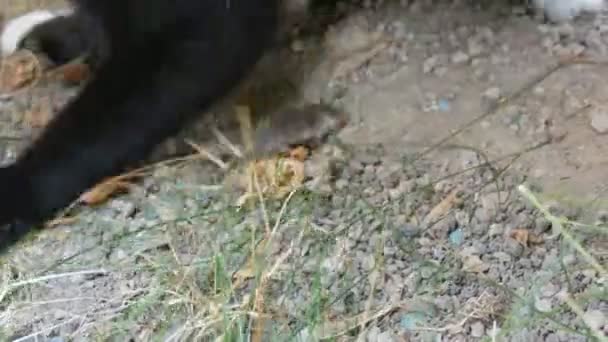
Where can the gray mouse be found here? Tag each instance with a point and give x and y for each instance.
(308, 125)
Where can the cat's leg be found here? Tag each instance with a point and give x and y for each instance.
(138, 98)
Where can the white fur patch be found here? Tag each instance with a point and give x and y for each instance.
(17, 28)
(565, 10)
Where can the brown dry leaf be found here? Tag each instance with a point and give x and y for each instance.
(18, 70)
(280, 175)
(277, 177)
(535, 239)
(299, 153)
(72, 73)
(524, 237)
(104, 190)
(39, 115)
(442, 208)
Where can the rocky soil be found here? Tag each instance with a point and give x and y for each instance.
(464, 201)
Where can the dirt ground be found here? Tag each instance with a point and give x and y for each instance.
(466, 200)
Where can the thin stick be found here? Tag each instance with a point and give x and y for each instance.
(224, 140)
(21, 283)
(208, 155)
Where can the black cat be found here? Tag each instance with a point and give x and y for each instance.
(158, 64)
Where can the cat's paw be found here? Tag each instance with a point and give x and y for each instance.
(15, 206)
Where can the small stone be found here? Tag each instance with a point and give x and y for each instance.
(543, 304)
(372, 334)
(443, 105)
(444, 303)
(596, 319)
(410, 231)
(566, 30)
(492, 94)
(456, 237)
(389, 176)
(491, 202)
(570, 51)
(594, 40)
(440, 71)
(487, 34)
(474, 47)
(341, 184)
(552, 338)
(126, 208)
(496, 229)
(368, 262)
(538, 91)
(333, 265)
(119, 255)
(411, 320)
(474, 264)
(569, 259)
(386, 336)
(460, 58)
(395, 193)
(458, 338)
(589, 274)
(503, 257)
(514, 248)
(430, 64)
(549, 290)
(477, 329)
(599, 120)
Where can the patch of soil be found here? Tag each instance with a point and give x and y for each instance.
(410, 225)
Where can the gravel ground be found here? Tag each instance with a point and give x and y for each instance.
(411, 225)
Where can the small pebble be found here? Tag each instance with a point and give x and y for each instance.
(341, 184)
(443, 105)
(552, 338)
(496, 229)
(386, 336)
(492, 94)
(411, 320)
(440, 71)
(596, 319)
(457, 237)
(513, 248)
(372, 334)
(503, 257)
(474, 47)
(460, 58)
(549, 290)
(543, 304)
(569, 259)
(477, 329)
(599, 120)
(410, 231)
(430, 64)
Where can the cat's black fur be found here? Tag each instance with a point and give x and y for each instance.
(159, 64)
